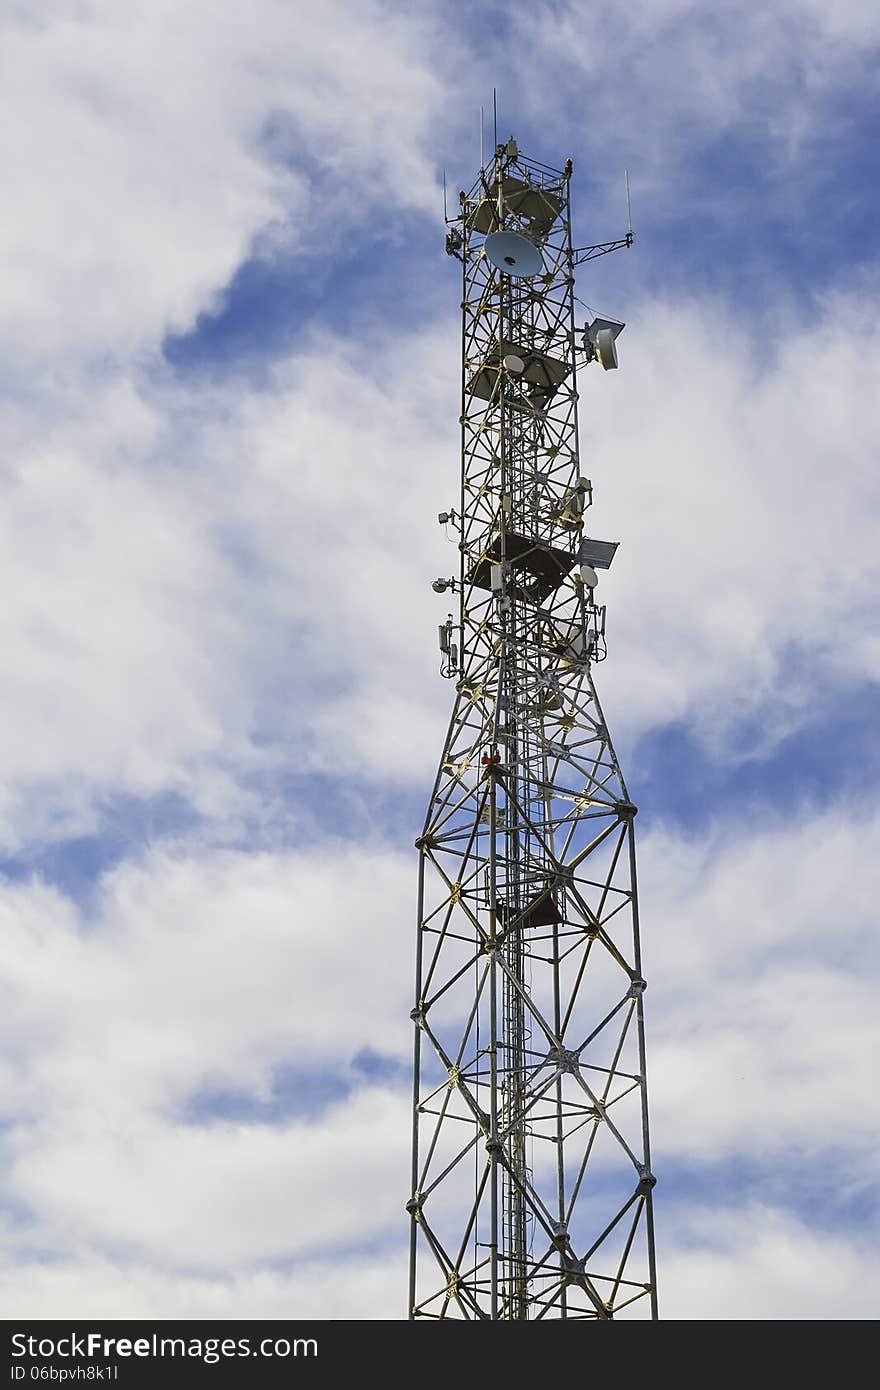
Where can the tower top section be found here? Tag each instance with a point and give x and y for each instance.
(524, 493)
(517, 196)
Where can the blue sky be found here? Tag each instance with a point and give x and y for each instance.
(230, 367)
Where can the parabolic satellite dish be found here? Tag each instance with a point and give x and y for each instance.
(589, 576)
(513, 254)
(606, 348)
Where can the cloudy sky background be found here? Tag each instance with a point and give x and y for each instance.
(229, 347)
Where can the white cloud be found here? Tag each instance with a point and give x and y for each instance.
(362, 1287)
(209, 973)
(201, 978)
(657, 83)
(204, 588)
(104, 568)
(738, 1264)
(147, 153)
(743, 500)
(758, 1263)
(219, 1197)
(760, 953)
(200, 586)
(145, 149)
(185, 603)
(740, 479)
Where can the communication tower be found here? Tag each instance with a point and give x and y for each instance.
(531, 1176)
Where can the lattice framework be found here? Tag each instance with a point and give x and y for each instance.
(531, 1181)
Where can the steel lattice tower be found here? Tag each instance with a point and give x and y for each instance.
(531, 1180)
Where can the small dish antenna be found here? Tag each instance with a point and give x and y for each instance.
(606, 349)
(600, 341)
(513, 255)
(512, 363)
(589, 576)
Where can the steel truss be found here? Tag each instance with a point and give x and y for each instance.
(531, 1180)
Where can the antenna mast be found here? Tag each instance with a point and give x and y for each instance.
(531, 1180)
